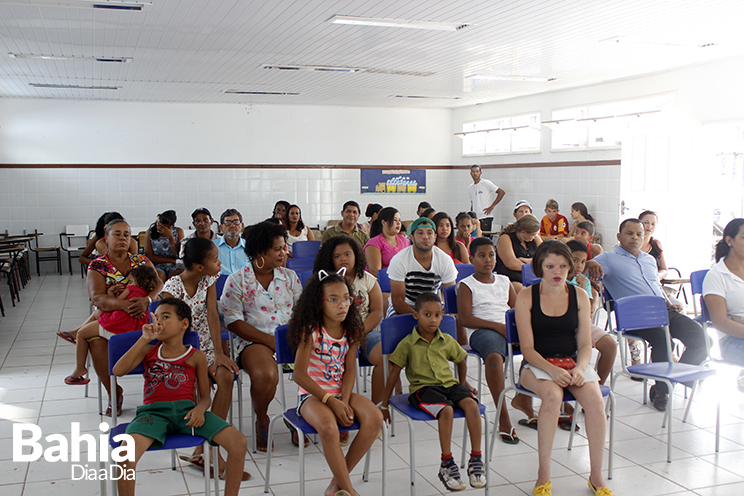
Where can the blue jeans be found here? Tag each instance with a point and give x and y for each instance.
(732, 349)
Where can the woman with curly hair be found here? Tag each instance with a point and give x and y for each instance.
(256, 299)
(324, 331)
(343, 252)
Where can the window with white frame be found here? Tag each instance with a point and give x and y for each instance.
(511, 134)
(602, 125)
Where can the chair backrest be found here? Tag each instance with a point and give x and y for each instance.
(220, 285)
(303, 249)
(464, 270)
(283, 350)
(301, 264)
(305, 277)
(528, 276)
(633, 313)
(397, 327)
(512, 336)
(383, 280)
(450, 299)
(120, 344)
(696, 282)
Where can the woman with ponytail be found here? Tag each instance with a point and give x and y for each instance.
(723, 290)
(579, 213)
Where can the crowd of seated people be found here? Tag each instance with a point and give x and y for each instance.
(261, 293)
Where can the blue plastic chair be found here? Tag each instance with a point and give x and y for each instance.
(512, 339)
(696, 281)
(305, 249)
(118, 346)
(463, 271)
(220, 285)
(394, 329)
(383, 280)
(528, 276)
(305, 277)
(284, 355)
(301, 264)
(634, 313)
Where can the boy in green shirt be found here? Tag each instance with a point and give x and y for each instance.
(425, 354)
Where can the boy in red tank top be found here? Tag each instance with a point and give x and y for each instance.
(173, 371)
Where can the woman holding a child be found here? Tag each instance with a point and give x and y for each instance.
(107, 277)
(554, 325)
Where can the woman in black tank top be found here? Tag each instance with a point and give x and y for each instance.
(553, 321)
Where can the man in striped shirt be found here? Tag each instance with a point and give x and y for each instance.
(419, 268)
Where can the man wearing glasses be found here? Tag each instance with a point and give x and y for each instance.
(231, 244)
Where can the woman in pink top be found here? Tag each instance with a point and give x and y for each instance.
(384, 241)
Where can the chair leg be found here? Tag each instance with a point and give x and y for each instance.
(412, 455)
(216, 467)
(689, 402)
(205, 457)
(669, 410)
(610, 458)
(268, 451)
(573, 425)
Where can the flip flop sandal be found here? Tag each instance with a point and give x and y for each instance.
(530, 422)
(67, 337)
(73, 381)
(344, 438)
(119, 405)
(509, 437)
(261, 432)
(295, 436)
(565, 423)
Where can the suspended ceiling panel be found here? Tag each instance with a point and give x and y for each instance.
(196, 50)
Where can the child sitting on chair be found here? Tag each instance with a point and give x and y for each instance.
(425, 354)
(554, 225)
(142, 280)
(173, 371)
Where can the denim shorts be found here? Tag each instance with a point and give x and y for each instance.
(487, 341)
(373, 338)
(732, 349)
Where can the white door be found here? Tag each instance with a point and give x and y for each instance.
(662, 170)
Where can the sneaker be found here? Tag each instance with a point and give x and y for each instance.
(476, 473)
(659, 400)
(450, 476)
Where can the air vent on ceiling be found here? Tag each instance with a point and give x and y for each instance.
(272, 93)
(72, 87)
(627, 40)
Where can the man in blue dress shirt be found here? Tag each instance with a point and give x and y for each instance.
(627, 272)
(231, 244)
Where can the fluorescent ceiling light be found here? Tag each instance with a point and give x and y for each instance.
(645, 41)
(422, 97)
(313, 68)
(397, 23)
(278, 93)
(63, 57)
(137, 5)
(491, 77)
(326, 68)
(72, 87)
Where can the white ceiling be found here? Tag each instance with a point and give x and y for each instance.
(194, 50)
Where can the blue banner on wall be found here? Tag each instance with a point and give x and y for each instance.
(393, 181)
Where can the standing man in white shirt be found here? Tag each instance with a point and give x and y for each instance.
(484, 196)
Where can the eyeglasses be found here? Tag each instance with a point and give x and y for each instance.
(338, 301)
(203, 221)
(231, 222)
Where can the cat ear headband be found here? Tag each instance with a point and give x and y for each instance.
(322, 274)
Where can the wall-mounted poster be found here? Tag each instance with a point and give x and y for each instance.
(394, 181)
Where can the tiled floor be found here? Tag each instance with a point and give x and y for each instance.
(34, 363)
